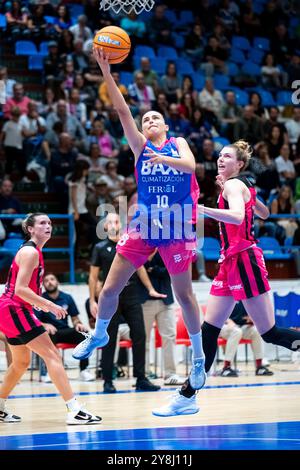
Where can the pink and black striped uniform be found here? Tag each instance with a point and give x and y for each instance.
(242, 272)
(17, 319)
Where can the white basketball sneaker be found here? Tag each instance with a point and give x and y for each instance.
(84, 349)
(82, 417)
(179, 405)
(7, 417)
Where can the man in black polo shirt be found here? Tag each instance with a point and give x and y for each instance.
(129, 306)
(59, 330)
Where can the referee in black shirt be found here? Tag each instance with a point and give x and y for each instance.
(129, 306)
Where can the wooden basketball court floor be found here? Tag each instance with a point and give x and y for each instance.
(241, 413)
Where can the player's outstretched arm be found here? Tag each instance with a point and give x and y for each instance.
(185, 162)
(233, 192)
(135, 138)
(28, 261)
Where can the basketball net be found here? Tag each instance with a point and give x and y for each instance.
(127, 6)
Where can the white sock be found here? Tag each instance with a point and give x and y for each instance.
(196, 341)
(73, 405)
(101, 327)
(2, 404)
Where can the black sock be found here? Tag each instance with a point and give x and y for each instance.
(186, 389)
(285, 337)
(210, 336)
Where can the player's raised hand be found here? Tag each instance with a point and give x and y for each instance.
(102, 58)
(154, 157)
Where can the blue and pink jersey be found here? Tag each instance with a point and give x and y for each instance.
(167, 198)
(237, 238)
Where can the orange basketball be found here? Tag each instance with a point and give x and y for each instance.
(114, 41)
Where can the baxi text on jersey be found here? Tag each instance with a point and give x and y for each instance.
(159, 168)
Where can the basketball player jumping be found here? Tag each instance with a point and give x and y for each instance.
(242, 274)
(166, 181)
(24, 331)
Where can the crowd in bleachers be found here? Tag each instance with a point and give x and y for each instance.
(217, 70)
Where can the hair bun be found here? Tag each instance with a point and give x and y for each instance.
(244, 147)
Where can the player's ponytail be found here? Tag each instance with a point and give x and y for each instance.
(29, 222)
(243, 152)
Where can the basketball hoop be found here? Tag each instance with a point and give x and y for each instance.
(127, 6)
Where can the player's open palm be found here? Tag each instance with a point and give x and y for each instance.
(58, 311)
(156, 295)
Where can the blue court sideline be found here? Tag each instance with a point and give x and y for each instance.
(261, 436)
(163, 389)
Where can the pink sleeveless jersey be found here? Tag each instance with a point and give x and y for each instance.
(35, 282)
(237, 238)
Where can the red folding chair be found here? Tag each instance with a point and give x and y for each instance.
(182, 336)
(61, 346)
(157, 345)
(125, 343)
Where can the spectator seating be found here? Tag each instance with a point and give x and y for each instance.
(240, 42)
(267, 98)
(50, 19)
(198, 80)
(221, 82)
(261, 43)
(25, 48)
(233, 69)
(13, 244)
(184, 66)
(237, 56)
(186, 18)
(242, 97)
(146, 51)
(283, 98)
(3, 22)
(44, 48)
(126, 78)
(272, 249)
(75, 10)
(250, 68)
(287, 309)
(178, 40)
(220, 142)
(256, 56)
(159, 64)
(167, 51)
(211, 249)
(36, 62)
(171, 16)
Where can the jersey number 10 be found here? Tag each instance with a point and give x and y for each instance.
(162, 201)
